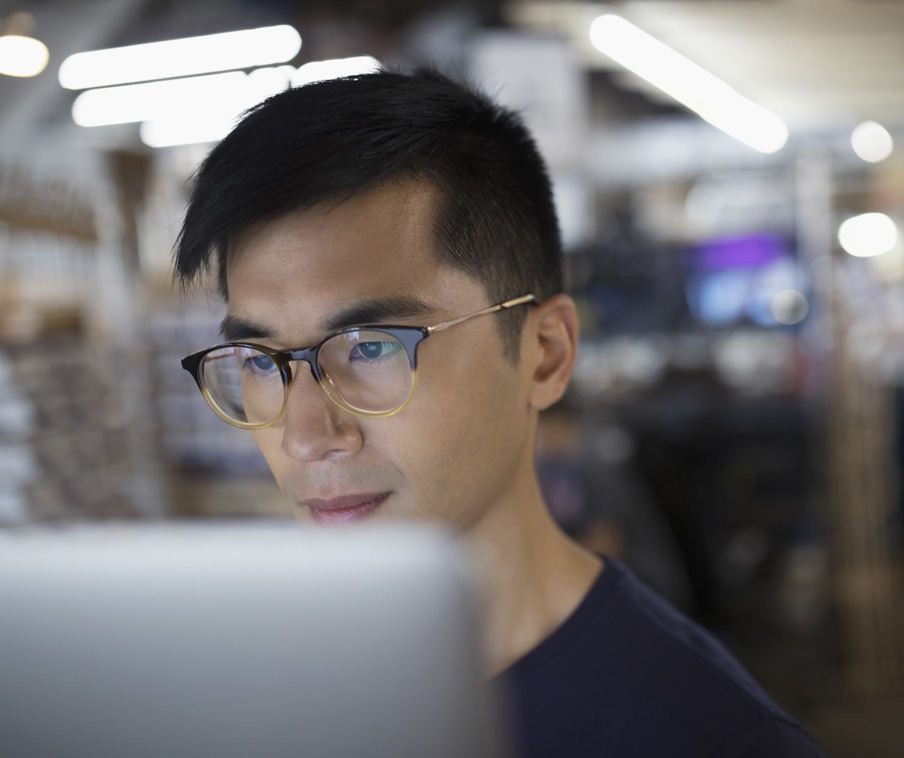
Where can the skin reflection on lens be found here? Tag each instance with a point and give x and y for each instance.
(221, 378)
(261, 385)
(370, 370)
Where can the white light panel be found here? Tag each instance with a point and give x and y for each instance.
(180, 57)
(685, 81)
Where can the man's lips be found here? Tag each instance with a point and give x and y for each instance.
(347, 509)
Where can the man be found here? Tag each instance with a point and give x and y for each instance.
(401, 229)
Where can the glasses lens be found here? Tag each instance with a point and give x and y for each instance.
(244, 384)
(368, 370)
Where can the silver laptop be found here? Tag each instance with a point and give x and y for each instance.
(238, 642)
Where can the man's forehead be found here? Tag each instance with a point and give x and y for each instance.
(370, 259)
(404, 207)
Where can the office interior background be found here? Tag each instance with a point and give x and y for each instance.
(730, 180)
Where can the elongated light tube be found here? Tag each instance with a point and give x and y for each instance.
(317, 71)
(170, 132)
(212, 117)
(180, 57)
(685, 81)
(189, 124)
(141, 102)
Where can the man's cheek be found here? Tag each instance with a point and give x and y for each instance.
(268, 441)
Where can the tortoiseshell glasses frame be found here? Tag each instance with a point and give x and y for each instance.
(369, 370)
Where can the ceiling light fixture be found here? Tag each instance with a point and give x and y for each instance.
(317, 71)
(872, 142)
(685, 81)
(141, 102)
(202, 118)
(202, 100)
(181, 57)
(21, 54)
(868, 235)
(170, 132)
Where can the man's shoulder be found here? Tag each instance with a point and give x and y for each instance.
(624, 633)
(639, 623)
(628, 671)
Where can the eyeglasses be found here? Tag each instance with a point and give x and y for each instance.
(370, 371)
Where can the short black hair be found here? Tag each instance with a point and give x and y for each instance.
(336, 139)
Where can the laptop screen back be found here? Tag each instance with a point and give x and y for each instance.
(237, 643)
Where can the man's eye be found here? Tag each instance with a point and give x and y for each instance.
(260, 363)
(375, 350)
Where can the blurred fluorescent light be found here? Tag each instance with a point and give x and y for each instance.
(180, 57)
(141, 102)
(317, 71)
(872, 142)
(270, 80)
(197, 118)
(22, 56)
(218, 112)
(169, 132)
(710, 97)
(193, 97)
(868, 234)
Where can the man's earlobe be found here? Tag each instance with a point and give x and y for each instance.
(556, 334)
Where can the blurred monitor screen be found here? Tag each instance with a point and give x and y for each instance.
(733, 280)
(236, 643)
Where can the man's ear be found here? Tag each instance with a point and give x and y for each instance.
(554, 349)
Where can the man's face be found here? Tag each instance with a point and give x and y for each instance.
(461, 452)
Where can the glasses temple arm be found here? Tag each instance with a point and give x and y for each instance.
(492, 309)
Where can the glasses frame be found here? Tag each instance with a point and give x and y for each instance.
(409, 336)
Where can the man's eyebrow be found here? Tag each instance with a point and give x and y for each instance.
(376, 311)
(234, 328)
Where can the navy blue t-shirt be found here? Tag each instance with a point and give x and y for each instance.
(628, 675)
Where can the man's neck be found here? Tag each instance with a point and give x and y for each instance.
(532, 579)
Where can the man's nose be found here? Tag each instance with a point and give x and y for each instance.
(315, 427)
